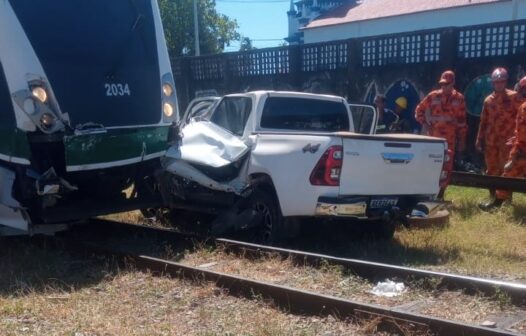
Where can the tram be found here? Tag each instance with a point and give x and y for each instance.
(87, 106)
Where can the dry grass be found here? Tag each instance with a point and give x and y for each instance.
(47, 292)
(479, 243)
(335, 281)
(327, 279)
(475, 242)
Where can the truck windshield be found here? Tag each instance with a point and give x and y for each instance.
(100, 57)
(232, 114)
(304, 114)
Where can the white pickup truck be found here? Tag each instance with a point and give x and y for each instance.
(265, 159)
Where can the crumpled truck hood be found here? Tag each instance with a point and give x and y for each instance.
(207, 144)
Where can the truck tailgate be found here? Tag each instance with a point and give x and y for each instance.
(391, 164)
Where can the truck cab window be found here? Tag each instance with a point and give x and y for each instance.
(303, 114)
(232, 114)
(363, 118)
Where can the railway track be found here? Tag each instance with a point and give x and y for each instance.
(362, 268)
(489, 182)
(308, 302)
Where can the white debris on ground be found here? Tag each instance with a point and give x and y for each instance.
(388, 288)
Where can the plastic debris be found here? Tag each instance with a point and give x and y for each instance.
(418, 213)
(489, 324)
(208, 265)
(388, 288)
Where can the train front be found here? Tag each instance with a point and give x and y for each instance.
(87, 102)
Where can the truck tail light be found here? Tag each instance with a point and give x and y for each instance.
(447, 167)
(328, 169)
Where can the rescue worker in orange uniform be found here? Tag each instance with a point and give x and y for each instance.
(442, 114)
(516, 163)
(497, 124)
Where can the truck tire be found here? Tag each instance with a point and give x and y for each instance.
(271, 228)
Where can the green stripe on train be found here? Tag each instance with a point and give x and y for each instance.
(115, 145)
(13, 143)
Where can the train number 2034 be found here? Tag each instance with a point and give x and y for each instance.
(115, 90)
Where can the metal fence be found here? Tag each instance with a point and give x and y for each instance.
(491, 40)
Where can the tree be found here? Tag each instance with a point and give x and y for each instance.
(246, 44)
(215, 30)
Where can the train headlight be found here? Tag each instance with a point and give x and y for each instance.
(39, 93)
(47, 121)
(168, 90)
(168, 110)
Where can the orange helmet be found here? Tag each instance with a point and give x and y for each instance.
(499, 74)
(447, 78)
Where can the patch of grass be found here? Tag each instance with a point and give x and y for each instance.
(474, 242)
(477, 242)
(46, 291)
(502, 298)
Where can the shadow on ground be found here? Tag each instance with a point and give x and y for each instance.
(519, 213)
(346, 241)
(465, 210)
(39, 264)
(29, 267)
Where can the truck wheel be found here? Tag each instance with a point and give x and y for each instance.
(271, 230)
(381, 229)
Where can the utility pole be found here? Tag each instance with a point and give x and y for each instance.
(196, 30)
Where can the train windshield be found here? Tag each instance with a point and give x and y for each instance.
(100, 57)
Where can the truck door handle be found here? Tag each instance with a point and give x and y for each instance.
(398, 158)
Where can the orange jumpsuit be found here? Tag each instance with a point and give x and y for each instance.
(517, 154)
(497, 124)
(445, 117)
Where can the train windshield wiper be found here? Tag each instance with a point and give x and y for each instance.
(136, 26)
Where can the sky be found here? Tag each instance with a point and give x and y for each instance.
(258, 20)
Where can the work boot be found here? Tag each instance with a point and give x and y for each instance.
(491, 205)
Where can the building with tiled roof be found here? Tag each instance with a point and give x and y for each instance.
(302, 12)
(363, 18)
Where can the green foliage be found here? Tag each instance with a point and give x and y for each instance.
(246, 44)
(215, 30)
(502, 298)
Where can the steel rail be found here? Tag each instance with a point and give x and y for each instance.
(291, 299)
(375, 270)
(487, 181)
(363, 268)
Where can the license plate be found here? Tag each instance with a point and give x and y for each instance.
(384, 202)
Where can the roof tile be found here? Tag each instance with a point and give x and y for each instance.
(375, 9)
